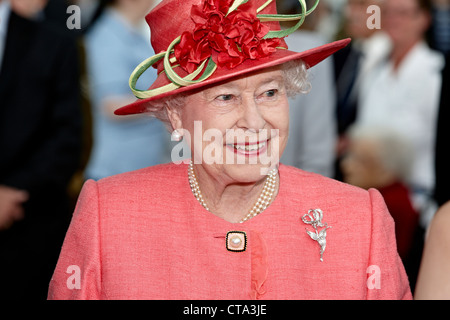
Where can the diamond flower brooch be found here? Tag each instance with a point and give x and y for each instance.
(314, 218)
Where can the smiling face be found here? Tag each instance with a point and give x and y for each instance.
(239, 127)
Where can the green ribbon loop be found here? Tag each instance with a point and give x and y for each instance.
(287, 17)
(137, 73)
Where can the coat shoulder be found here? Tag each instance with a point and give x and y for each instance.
(163, 174)
(316, 183)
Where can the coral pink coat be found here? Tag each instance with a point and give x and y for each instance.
(143, 235)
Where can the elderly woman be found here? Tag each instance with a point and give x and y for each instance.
(233, 223)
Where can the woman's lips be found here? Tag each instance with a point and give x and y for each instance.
(249, 149)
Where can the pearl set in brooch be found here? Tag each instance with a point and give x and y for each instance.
(261, 204)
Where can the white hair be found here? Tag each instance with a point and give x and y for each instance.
(296, 81)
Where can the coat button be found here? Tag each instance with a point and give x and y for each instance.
(236, 241)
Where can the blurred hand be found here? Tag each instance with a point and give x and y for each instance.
(11, 208)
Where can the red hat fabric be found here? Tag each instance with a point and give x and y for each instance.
(203, 42)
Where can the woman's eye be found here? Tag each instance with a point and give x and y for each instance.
(225, 97)
(270, 93)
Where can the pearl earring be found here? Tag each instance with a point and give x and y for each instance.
(176, 135)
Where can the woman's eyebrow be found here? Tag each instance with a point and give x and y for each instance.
(277, 79)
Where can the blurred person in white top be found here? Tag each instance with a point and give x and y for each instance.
(403, 92)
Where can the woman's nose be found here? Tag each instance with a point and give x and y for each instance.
(251, 115)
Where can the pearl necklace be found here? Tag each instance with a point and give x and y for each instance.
(263, 201)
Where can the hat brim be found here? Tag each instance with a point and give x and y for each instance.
(310, 57)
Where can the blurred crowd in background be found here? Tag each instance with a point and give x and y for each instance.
(377, 115)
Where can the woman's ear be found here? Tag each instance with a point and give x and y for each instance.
(174, 115)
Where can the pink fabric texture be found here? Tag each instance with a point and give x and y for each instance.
(143, 235)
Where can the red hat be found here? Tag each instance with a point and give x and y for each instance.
(202, 42)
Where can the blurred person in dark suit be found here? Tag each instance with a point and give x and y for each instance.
(40, 141)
